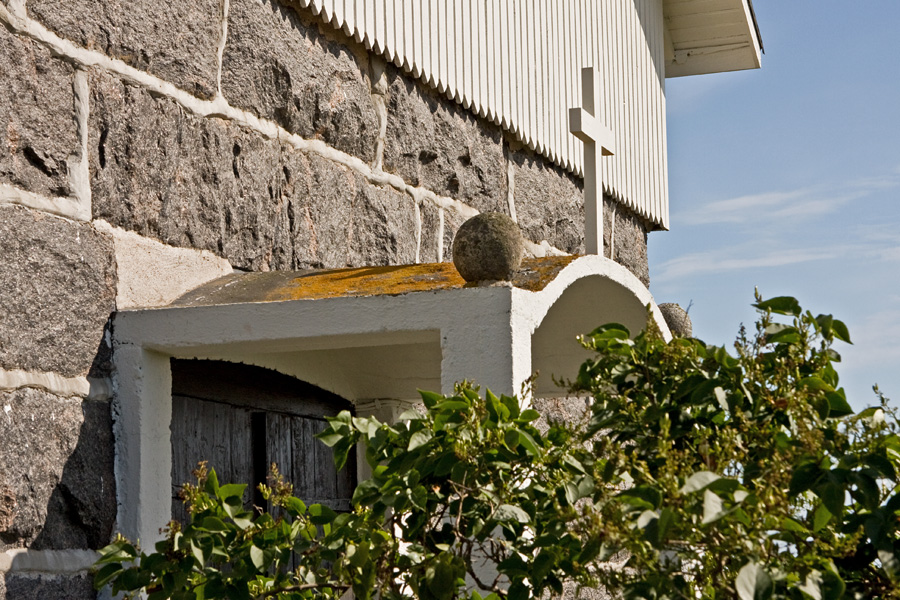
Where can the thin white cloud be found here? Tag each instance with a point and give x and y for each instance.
(774, 205)
(875, 340)
(717, 261)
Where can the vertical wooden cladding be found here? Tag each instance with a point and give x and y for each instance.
(242, 418)
(517, 63)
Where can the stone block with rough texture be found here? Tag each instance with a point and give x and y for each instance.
(57, 486)
(176, 40)
(431, 239)
(59, 289)
(433, 142)
(208, 184)
(626, 233)
(452, 222)
(282, 68)
(27, 586)
(549, 202)
(340, 220)
(38, 133)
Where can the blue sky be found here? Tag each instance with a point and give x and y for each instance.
(787, 178)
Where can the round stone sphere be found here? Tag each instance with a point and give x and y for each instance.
(677, 319)
(489, 246)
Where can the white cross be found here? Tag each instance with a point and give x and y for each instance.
(583, 122)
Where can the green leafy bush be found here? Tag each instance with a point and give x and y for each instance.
(704, 473)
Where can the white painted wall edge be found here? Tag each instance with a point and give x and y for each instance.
(57, 562)
(151, 273)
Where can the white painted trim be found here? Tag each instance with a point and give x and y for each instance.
(52, 562)
(91, 388)
(485, 333)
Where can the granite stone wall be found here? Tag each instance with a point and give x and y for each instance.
(246, 131)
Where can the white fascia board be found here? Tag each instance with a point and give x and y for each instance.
(710, 36)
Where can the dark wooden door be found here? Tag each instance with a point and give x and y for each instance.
(242, 418)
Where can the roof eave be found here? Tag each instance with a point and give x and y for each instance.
(710, 36)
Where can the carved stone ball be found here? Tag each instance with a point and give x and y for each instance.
(489, 246)
(677, 319)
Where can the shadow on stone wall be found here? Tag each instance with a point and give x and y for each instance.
(58, 480)
(81, 510)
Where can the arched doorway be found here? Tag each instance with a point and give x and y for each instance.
(242, 418)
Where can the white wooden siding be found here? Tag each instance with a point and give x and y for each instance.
(517, 63)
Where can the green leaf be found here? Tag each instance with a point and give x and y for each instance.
(508, 512)
(814, 383)
(258, 557)
(813, 586)
(528, 442)
(321, 514)
(452, 406)
(212, 483)
(821, 517)
(890, 562)
(214, 524)
(419, 438)
(231, 490)
(832, 495)
(804, 477)
(713, 509)
(753, 583)
(838, 405)
(106, 574)
(784, 335)
(529, 415)
(841, 332)
(430, 398)
(647, 496)
(698, 481)
(782, 305)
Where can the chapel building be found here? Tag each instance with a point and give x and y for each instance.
(223, 220)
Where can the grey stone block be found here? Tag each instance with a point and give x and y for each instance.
(341, 220)
(549, 202)
(57, 487)
(59, 289)
(281, 67)
(208, 184)
(433, 142)
(176, 40)
(38, 133)
(383, 228)
(452, 222)
(20, 586)
(187, 181)
(550, 206)
(431, 233)
(628, 238)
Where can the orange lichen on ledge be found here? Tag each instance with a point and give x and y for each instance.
(279, 286)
